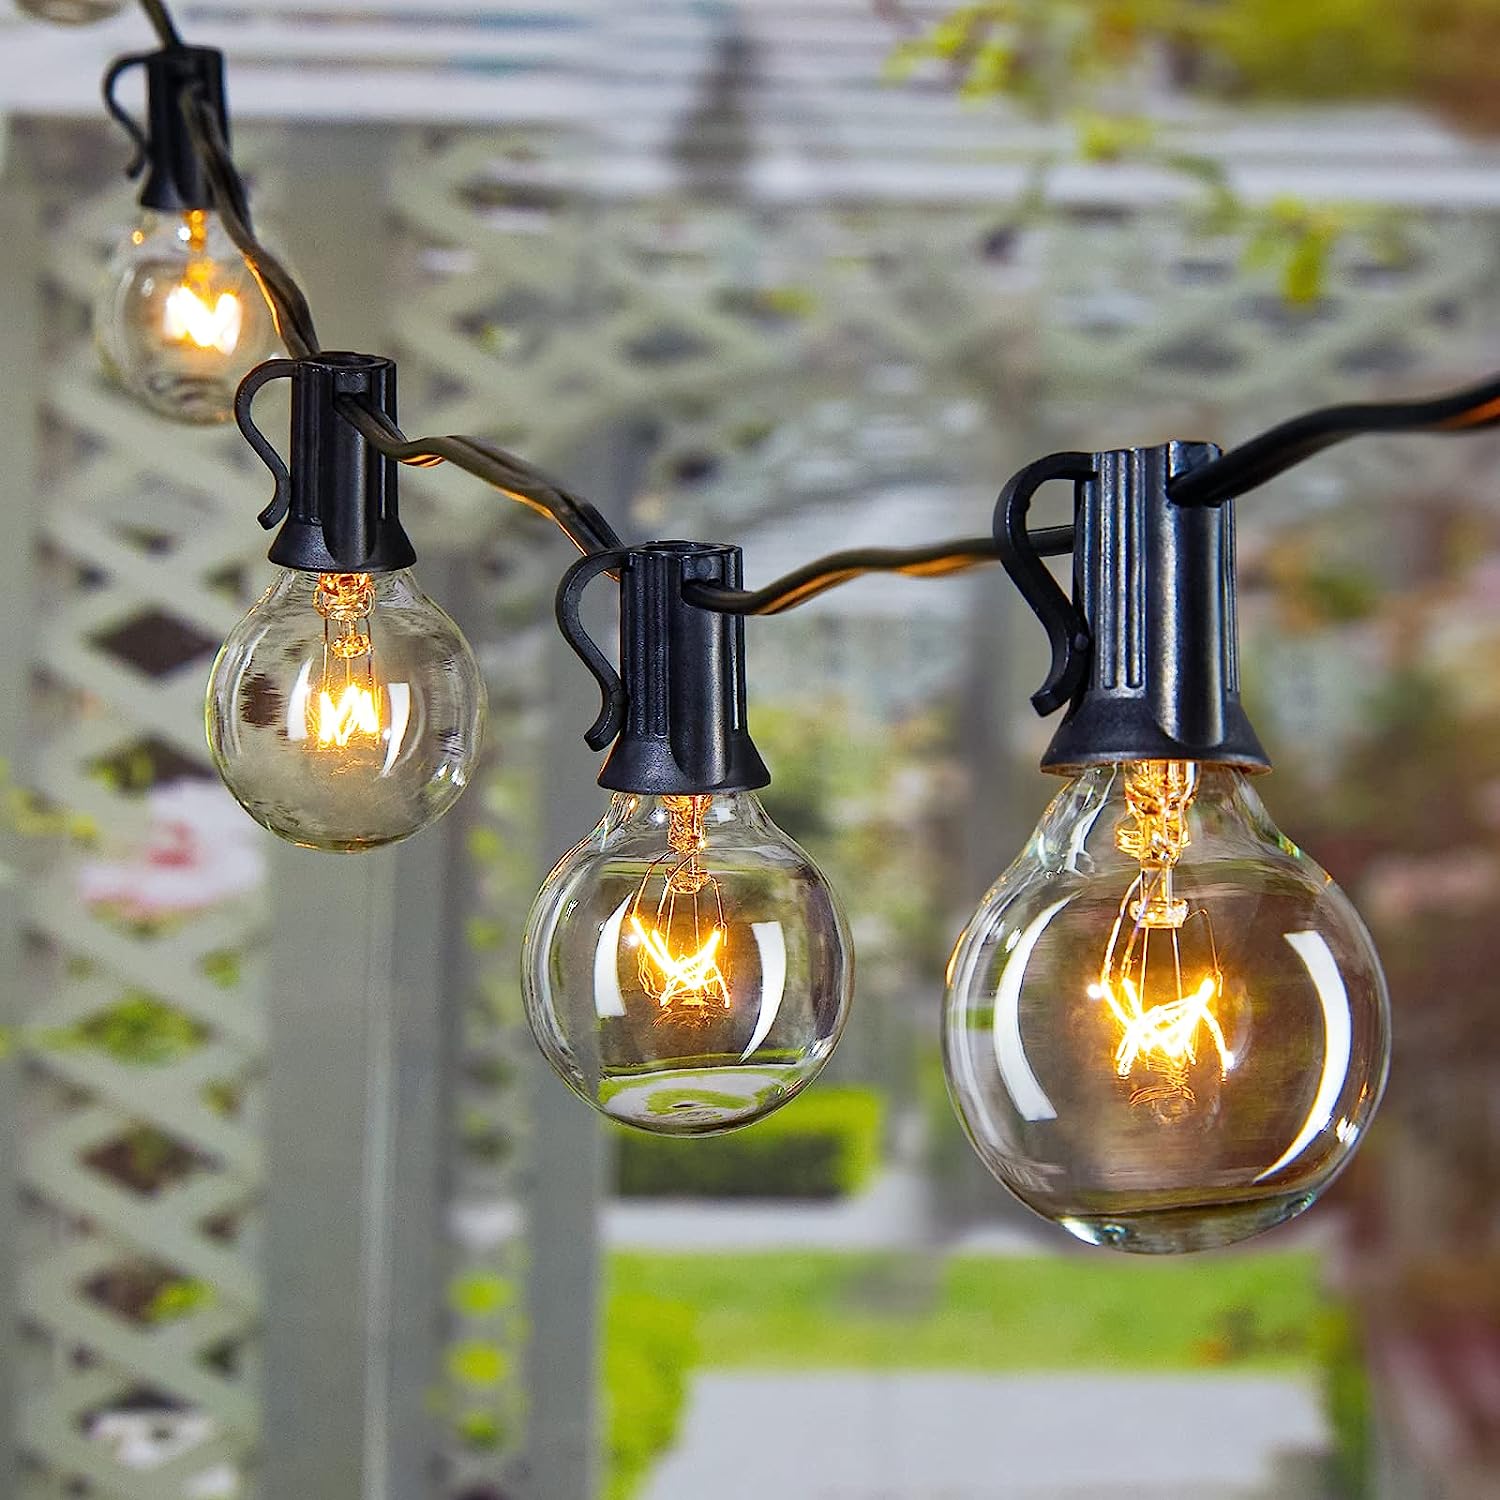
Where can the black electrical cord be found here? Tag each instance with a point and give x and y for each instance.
(512, 476)
(1253, 463)
(1242, 469)
(162, 23)
(934, 561)
(585, 527)
(1273, 452)
(289, 306)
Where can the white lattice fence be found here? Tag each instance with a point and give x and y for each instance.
(141, 1164)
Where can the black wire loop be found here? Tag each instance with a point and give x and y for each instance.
(127, 121)
(1067, 630)
(244, 399)
(570, 621)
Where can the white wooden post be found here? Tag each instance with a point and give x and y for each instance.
(20, 351)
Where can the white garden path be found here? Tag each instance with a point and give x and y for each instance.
(895, 1436)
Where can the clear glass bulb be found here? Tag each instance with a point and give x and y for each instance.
(179, 318)
(1165, 1027)
(346, 710)
(686, 967)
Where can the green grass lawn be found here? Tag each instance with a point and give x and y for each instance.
(817, 1310)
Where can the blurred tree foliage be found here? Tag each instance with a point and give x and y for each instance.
(1098, 63)
(1438, 53)
(1059, 56)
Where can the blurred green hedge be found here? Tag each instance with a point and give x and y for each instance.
(1348, 1401)
(650, 1349)
(824, 1144)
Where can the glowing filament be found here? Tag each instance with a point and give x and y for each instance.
(190, 319)
(1162, 1017)
(681, 952)
(1166, 1033)
(356, 712)
(347, 705)
(688, 978)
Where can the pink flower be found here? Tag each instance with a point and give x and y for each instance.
(201, 850)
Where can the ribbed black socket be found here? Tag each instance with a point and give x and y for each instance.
(676, 708)
(1146, 654)
(336, 500)
(175, 180)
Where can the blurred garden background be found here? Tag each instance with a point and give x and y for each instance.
(296, 1212)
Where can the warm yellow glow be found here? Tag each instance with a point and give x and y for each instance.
(682, 978)
(1166, 1033)
(1161, 1002)
(681, 939)
(197, 311)
(356, 712)
(348, 700)
(191, 318)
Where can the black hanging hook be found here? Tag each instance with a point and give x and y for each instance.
(1067, 630)
(570, 622)
(127, 121)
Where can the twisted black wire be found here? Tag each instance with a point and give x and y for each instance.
(1240, 470)
(1261, 458)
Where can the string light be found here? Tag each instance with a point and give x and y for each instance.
(1159, 949)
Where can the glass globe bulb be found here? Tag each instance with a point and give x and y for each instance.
(686, 968)
(1165, 1027)
(346, 710)
(179, 319)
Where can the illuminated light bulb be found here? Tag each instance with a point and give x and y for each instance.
(345, 710)
(180, 319)
(686, 967)
(1165, 1027)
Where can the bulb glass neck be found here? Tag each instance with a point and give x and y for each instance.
(1157, 812)
(675, 815)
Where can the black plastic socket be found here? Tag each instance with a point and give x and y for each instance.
(676, 708)
(175, 180)
(336, 499)
(1146, 653)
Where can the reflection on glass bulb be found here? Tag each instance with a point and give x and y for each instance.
(345, 710)
(686, 967)
(1165, 1027)
(180, 319)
